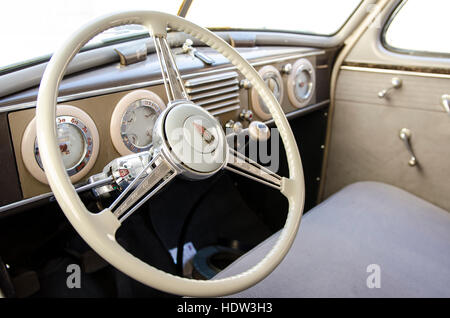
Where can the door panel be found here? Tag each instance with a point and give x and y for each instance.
(418, 91)
(364, 130)
(365, 145)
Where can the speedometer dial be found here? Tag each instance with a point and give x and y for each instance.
(74, 141)
(73, 144)
(133, 120)
(77, 139)
(137, 124)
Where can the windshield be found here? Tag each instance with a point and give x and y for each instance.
(323, 17)
(34, 29)
(31, 30)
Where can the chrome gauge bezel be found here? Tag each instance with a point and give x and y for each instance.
(301, 65)
(88, 144)
(65, 114)
(138, 103)
(266, 72)
(126, 103)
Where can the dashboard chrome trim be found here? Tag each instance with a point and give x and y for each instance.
(116, 89)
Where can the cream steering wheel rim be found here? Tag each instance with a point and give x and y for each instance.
(98, 230)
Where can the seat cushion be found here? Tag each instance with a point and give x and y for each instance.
(407, 238)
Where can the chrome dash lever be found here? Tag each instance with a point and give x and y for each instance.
(188, 48)
(405, 135)
(445, 101)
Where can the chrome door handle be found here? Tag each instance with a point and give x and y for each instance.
(445, 101)
(405, 135)
(396, 84)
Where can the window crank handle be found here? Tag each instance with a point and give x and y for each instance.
(405, 135)
(445, 100)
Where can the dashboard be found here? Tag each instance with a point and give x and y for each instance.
(110, 112)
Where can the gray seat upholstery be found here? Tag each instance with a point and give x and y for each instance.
(364, 223)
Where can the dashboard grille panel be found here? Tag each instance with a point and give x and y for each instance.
(218, 93)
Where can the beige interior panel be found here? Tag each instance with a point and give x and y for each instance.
(365, 145)
(416, 92)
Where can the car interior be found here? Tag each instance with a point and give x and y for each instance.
(193, 158)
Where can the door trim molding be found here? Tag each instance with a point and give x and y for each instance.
(394, 72)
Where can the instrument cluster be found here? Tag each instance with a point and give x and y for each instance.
(131, 130)
(299, 80)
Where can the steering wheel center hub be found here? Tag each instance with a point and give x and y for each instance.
(194, 139)
(200, 133)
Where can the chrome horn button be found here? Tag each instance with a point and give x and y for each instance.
(193, 139)
(200, 133)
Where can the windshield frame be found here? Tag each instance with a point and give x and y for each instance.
(403, 51)
(325, 35)
(292, 37)
(45, 58)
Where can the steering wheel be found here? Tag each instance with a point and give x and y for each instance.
(171, 156)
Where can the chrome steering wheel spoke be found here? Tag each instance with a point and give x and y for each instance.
(156, 174)
(171, 76)
(244, 166)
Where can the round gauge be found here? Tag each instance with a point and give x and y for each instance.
(78, 142)
(301, 83)
(133, 120)
(274, 81)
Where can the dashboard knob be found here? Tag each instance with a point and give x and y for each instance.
(236, 127)
(245, 83)
(258, 131)
(286, 68)
(246, 114)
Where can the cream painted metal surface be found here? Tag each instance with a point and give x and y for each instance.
(99, 229)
